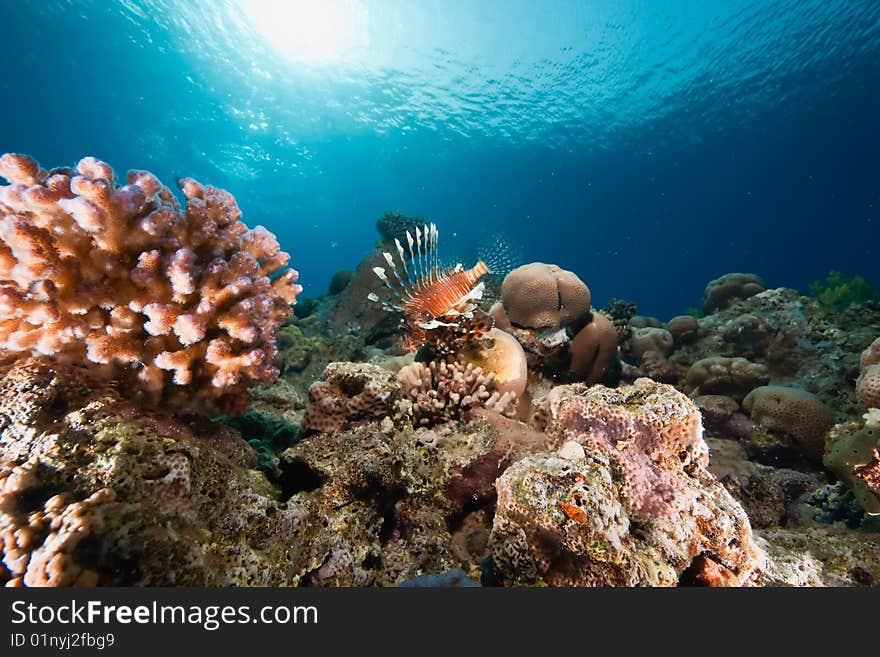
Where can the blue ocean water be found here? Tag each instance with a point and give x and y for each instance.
(648, 146)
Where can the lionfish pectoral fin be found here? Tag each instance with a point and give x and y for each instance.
(434, 323)
(474, 295)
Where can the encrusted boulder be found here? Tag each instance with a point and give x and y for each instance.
(635, 505)
(93, 490)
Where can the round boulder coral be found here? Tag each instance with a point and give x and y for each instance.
(682, 327)
(730, 288)
(868, 383)
(719, 375)
(797, 413)
(501, 353)
(650, 339)
(539, 296)
(593, 349)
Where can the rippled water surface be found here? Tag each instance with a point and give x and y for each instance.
(649, 146)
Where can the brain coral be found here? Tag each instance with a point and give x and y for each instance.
(178, 305)
(868, 383)
(730, 288)
(798, 413)
(538, 295)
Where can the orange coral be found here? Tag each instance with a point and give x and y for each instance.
(152, 296)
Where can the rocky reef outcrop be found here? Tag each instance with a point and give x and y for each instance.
(633, 504)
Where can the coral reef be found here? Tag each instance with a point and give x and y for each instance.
(181, 305)
(801, 342)
(99, 491)
(474, 459)
(730, 288)
(95, 490)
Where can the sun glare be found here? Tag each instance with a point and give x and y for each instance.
(308, 30)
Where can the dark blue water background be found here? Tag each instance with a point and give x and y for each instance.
(648, 146)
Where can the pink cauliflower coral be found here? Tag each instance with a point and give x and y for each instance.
(176, 305)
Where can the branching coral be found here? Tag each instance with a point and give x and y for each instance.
(178, 305)
(440, 391)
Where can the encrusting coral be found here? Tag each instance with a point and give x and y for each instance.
(626, 499)
(179, 305)
(349, 393)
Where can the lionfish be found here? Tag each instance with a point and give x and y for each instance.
(438, 303)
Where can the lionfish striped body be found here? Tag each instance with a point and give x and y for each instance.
(436, 303)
